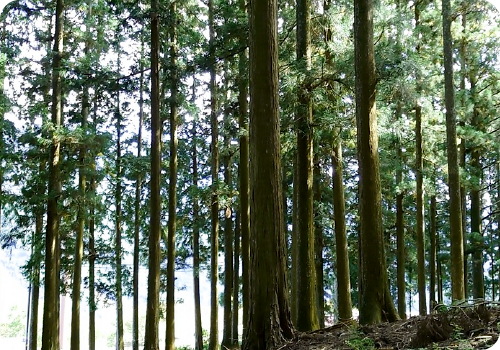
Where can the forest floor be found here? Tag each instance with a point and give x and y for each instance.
(457, 327)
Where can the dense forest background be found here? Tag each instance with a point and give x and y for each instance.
(126, 124)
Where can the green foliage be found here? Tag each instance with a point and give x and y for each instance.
(15, 327)
(359, 341)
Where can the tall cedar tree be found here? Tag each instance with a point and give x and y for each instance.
(375, 303)
(269, 317)
(137, 206)
(198, 332)
(343, 276)
(306, 293)
(214, 235)
(318, 240)
(172, 187)
(153, 304)
(81, 216)
(400, 229)
(422, 305)
(50, 334)
(457, 248)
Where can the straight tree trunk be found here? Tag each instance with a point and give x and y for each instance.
(422, 305)
(306, 292)
(227, 338)
(91, 248)
(376, 305)
(198, 332)
(439, 271)
(343, 277)
(318, 243)
(50, 335)
(432, 255)
(153, 303)
(118, 222)
(82, 207)
(295, 246)
(214, 235)
(137, 213)
(172, 187)
(243, 172)
(236, 282)
(400, 228)
(476, 206)
(269, 317)
(457, 249)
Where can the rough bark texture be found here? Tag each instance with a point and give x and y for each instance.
(35, 298)
(172, 184)
(227, 337)
(244, 171)
(457, 249)
(236, 282)
(432, 255)
(343, 277)
(295, 247)
(91, 247)
(269, 318)
(214, 235)
(400, 229)
(198, 332)
(375, 301)
(153, 303)
(306, 293)
(318, 243)
(50, 335)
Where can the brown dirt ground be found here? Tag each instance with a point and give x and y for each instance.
(461, 327)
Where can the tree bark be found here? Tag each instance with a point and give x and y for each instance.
(432, 255)
(172, 187)
(50, 335)
(137, 212)
(269, 318)
(457, 249)
(306, 293)
(343, 276)
(318, 243)
(153, 303)
(214, 235)
(376, 305)
(236, 282)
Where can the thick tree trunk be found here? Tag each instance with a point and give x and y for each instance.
(236, 283)
(153, 303)
(432, 255)
(375, 301)
(137, 212)
(343, 277)
(214, 235)
(457, 249)
(400, 228)
(269, 318)
(306, 293)
(244, 172)
(172, 184)
(227, 338)
(50, 335)
(318, 243)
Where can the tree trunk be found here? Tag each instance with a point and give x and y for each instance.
(343, 277)
(432, 255)
(244, 172)
(50, 335)
(295, 246)
(91, 248)
(306, 293)
(318, 243)
(198, 332)
(236, 282)
(400, 228)
(153, 304)
(457, 249)
(375, 301)
(269, 318)
(172, 187)
(137, 213)
(33, 325)
(82, 206)
(214, 235)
